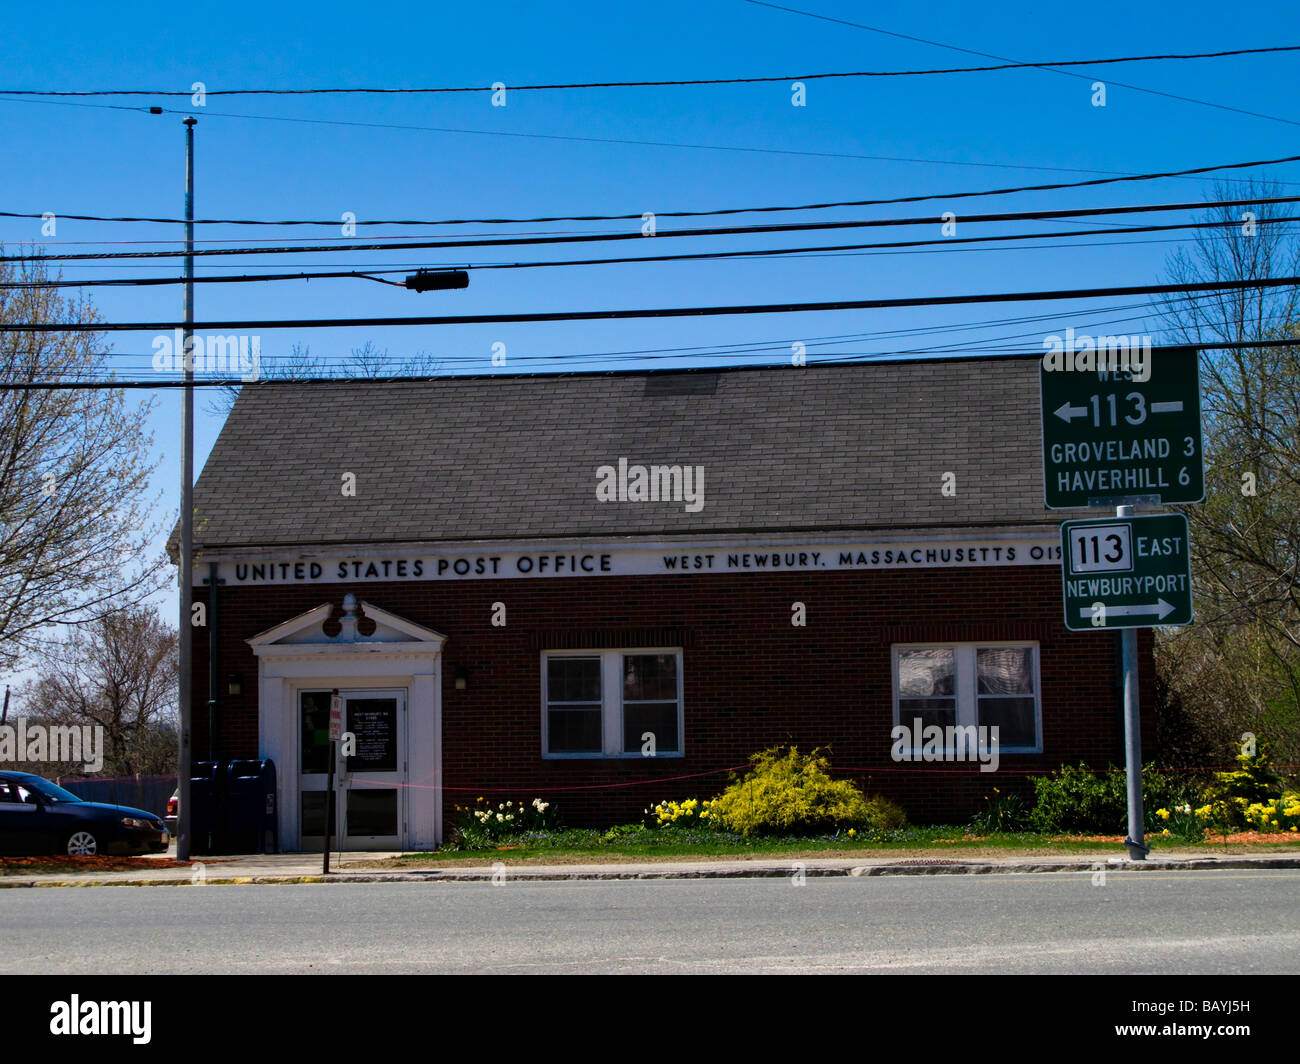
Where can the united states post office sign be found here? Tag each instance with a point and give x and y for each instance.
(1126, 572)
(567, 559)
(1115, 436)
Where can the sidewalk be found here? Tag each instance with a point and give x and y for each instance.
(306, 868)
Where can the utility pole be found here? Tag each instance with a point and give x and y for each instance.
(184, 814)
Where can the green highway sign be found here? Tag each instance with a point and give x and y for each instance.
(1126, 572)
(1121, 423)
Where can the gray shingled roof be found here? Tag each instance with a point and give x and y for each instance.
(784, 449)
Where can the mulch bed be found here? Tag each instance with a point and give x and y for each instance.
(1255, 836)
(1210, 837)
(11, 866)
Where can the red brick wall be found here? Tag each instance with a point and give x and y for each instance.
(751, 680)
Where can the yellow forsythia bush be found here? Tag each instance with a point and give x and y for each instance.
(793, 794)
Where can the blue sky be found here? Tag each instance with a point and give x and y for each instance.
(960, 132)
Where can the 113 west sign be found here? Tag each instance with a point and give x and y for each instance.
(1115, 436)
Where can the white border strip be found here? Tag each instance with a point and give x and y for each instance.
(756, 554)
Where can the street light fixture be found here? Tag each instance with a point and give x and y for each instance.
(437, 280)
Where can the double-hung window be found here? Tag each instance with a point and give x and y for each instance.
(612, 703)
(971, 684)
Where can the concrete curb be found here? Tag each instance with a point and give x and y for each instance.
(736, 870)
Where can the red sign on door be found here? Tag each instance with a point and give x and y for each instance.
(336, 718)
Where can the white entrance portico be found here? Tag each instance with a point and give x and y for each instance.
(389, 791)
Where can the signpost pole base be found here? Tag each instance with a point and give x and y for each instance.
(1137, 848)
(1136, 840)
(329, 811)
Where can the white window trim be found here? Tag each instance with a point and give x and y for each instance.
(965, 676)
(611, 714)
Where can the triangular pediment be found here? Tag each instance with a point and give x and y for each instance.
(309, 629)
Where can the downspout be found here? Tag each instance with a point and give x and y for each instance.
(212, 661)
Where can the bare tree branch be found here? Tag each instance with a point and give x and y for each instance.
(75, 525)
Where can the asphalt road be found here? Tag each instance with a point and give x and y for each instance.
(1137, 922)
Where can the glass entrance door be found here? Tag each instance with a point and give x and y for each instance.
(368, 808)
(313, 768)
(374, 806)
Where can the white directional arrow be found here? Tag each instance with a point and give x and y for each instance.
(1175, 407)
(1065, 411)
(1160, 608)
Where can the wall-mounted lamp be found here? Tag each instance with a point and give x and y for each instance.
(462, 678)
(235, 684)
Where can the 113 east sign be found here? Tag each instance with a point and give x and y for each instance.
(1126, 572)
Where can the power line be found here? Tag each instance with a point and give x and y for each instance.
(396, 364)
(547, 136)
(142, 282)
(1041, 66)
(236, 382)
(1084, 321)
(667, 83)
(1012, 216)
(760, 346)
(675, 214)
(655, 312)
(407, 265)
(563, 137)
(745, 347)
(251, 242)
(788, 252)
(795, 254)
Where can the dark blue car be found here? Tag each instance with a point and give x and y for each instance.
(37, 817)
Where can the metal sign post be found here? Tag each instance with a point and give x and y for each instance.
(1127, 572)
(1136, 840)
(1122, 436)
